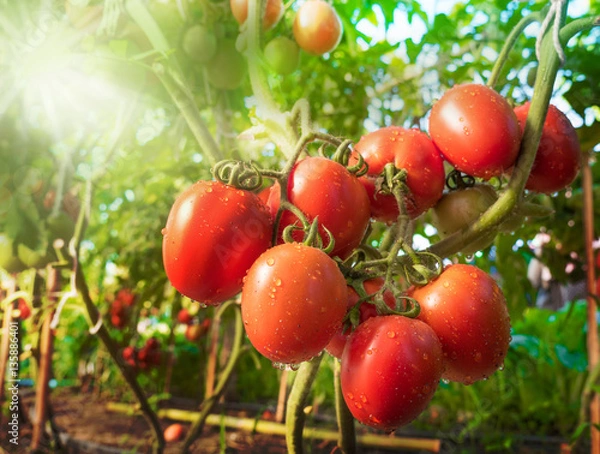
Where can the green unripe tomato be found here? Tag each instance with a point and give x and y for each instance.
(459, 208)
(227, 69)
(32, 258)
(9, 261)
(61, 227)
(282, 55)
(199, 43)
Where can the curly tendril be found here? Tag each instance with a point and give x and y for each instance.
(425, 267)
(239, 174)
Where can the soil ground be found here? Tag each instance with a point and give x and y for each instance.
(87, 426)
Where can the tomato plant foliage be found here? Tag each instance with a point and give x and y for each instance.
(184, 87)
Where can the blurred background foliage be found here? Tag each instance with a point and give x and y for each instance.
(79, 99)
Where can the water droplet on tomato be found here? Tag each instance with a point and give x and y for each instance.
(163, 231)
(278, 282)
(446, 284)
(270, 261)
(391, 334)
(477, 357)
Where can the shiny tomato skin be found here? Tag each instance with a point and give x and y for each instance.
(366, 310)
(476, 130)
(214, 233)
(317, 27)
(390, 369)
(558, 157)
(408, 149)
(322, 187)
(293, 302)
(467, 310)
(273, 12)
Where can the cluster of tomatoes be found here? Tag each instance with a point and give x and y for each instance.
(145, 358)
(120, 308)
(317, 29)
(298, 300)
(194, 329)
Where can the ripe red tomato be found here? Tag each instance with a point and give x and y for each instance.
(149, 355)
(184, 317)
(317, 27)
(558, 157)
(119, 314)
(293, 302)
(467, 310)
(24, 309)
(322, 187)
(126, 296)
(476, 130)
(391, 367)
(272, 15)
(366, 310)
(214, 233)
(173, 433)
(408, 149)
(129, 355)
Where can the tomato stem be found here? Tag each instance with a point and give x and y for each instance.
(346, 431)
(187, 106)
(236, 351)
(280, 130)
(510, 42)
(513, 194)
(295, 416)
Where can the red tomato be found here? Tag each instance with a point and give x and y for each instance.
(317, 27)
(214, 233)
(366, 309)
(293, 302)
(184, 317)
(467, 310)
(129, 355)
(24, 310)
(149, 355)
(558, 157)
(126, 296)
(322, 187)
(391, 367)
(173, 433)
(119, 314)
(408, 149)
(272, 15)
(476, 130)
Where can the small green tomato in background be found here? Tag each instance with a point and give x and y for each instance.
(227, 69)
(282, 55)
(199, 43)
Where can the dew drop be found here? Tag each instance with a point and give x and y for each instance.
(163, 231)
(278, 282)
(270, 261)
(391, 334)
(446, 284)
